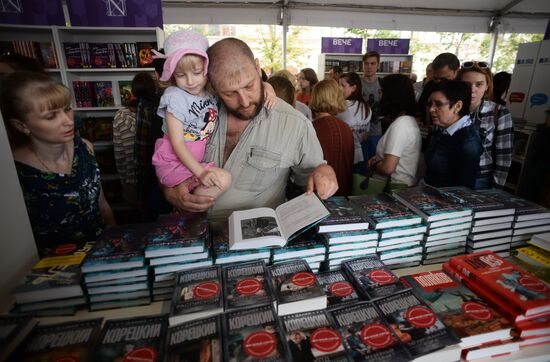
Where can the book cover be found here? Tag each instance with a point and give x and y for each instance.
(125, 91)
(71, 341)
(220, 246)
(48, 55)
(118, 247)
(343, 217)
(417, 326)
(73, 55)
(199, 340)
(339, 290)
(13, 330)
(342, 237)
(367, 336)
(100, 55)
(246, 284)
(470, 318)
(296, 287)
(145, 53)
(198, 293)
(431, 204)
(132, 339)
(383, 211)
(313, 336)
(525, 210)
(525, 292)
(103, 91)
(482, 204)
(534, 255)
(253, 334)
(371, 277)
(304, 245)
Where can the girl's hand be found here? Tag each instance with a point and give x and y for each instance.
(269, 95)
(373, 160)
(209, 179)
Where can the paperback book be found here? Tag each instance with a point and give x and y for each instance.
(296, 287)
(246, 284)
(339, 290)
(367, 336)
(132, 339)
(198, 340)
(343, 216)
(384, 211)
(253, 334)
(198, 294)
(313, 336)
(372, 278)
(261, 227)
(470, 318)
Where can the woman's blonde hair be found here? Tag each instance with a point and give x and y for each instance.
(286, 74)
(488, 78)
(328, 97)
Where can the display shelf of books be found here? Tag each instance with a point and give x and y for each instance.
(389, 63)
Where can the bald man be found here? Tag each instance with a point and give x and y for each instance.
(263, 149)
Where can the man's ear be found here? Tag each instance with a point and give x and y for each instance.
(458, 106)
(258, 68)
(20, 126)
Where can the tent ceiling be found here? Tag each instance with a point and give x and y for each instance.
(529, 16)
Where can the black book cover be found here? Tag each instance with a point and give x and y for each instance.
(145, 53)
(294, 281)
(341, 212)
(367, 336)
(73, 55)
(71, 341)
(339, 290)
(246, 284)
(253, 334)
(372, 278)
(100, 55)
(132, 339)
(383, 210)
(416, 324)
(313, 336)
(196, 341)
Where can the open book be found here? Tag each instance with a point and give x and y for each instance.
(261, 227)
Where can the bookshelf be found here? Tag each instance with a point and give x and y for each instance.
(523, 139)
(389, 63)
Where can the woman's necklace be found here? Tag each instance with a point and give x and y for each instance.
(43, 163)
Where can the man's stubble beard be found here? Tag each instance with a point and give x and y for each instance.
(258, 107)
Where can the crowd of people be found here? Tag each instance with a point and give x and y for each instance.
(206, 134)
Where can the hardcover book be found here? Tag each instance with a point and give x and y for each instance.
(198, 340)
(198, 294)
(343, 216)
(100, 56)
(13, 330)
(313, 336)
(482, 204)
(533, 255)
(246, 284)
(339, 290)
(132, 339)
(460, 309)
(525, 210)
(417, 326)
(304, 245)
(384, 211)
(367, 336)
(125, 91)
(220, 247)
(431, 204)
(103, 91)
(48, 55)
(145, 53)
(253, 334)
(342, 237)
(261, 227)
(296, 287)
(71, 341)
(371, 277)
(73, 55)
(525, 292)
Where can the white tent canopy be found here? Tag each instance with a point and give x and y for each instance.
(478, 16)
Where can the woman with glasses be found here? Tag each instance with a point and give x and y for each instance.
(307, 78)
(493, 123)
(452, 156)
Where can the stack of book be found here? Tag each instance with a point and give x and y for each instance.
(307, 247)
(219, 231)
(115, 272)
(448, 221)
(530, 218)
(345, 233)
(401, 230)
(492, 220)
(53, 286)
(173, 243)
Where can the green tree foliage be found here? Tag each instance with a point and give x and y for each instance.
(372, 33)
(507, 48)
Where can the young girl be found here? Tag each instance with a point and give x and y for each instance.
(190, 114)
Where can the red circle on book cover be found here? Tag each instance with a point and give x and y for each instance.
(68, 359)
(341, 289)
(420, 316)
(376, 335)
(65, 249)
(381, 277)
(248, 286)
(143, 354)
(325, 340)
(206, 290)
(303, 279)
(533, 284)
(477, 311)
(259, 344)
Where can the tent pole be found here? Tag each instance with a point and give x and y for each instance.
(493, 28)
(284, 23)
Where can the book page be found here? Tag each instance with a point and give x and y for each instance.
(254, 228)
(299, 213)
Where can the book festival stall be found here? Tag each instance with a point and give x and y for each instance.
(421, 274)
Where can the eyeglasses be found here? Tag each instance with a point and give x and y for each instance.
(471, 64)
(436, 104)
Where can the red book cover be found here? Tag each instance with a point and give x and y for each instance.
(523, 291)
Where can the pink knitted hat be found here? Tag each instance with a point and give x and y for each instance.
(177, 45)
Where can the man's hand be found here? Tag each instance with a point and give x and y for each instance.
(323, 180)
(180, 197)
